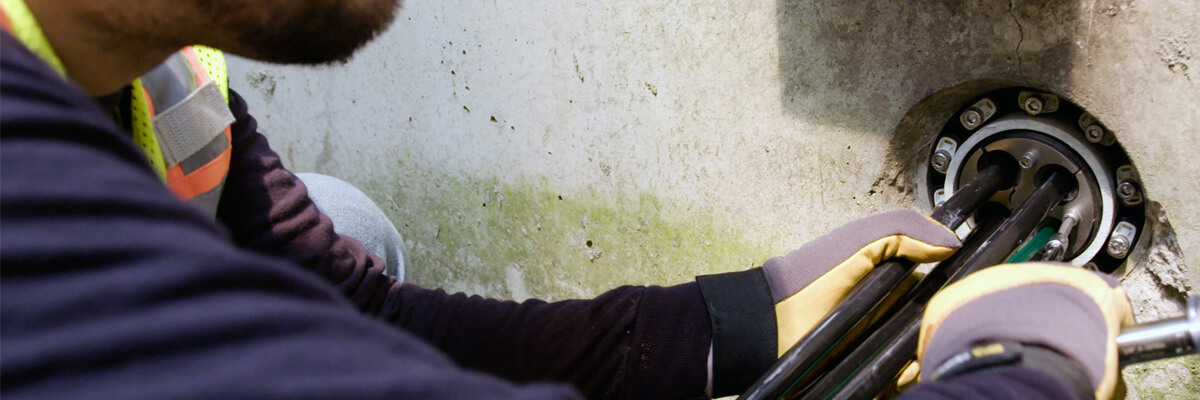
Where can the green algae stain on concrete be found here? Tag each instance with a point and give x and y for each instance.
(503, 240)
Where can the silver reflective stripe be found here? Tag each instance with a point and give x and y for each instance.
(189, 126)
(170, 82)
(206, 155)
(208, 201)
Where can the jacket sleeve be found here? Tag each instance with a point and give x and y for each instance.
(631, 342)
(112, 288)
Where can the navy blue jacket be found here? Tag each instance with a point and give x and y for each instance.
(112, 288)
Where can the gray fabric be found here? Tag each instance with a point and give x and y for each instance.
(357, 216)
(187, 127)
(208, 202)
(787, 275)
(1056, 316)
(205, 155)
(169, 82)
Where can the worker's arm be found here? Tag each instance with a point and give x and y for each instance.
(642, 342)
(113, 288)
(637, 342)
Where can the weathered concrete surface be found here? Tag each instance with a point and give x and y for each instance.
(692, 137)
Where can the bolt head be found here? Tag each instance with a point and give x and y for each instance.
(1027, 160)
(971, 118)
(1094, 133)
(1033, 105)
(1127, 190)
(940, 161)
(1118, 246)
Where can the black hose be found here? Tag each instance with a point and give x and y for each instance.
(875, 363)
(807, 359)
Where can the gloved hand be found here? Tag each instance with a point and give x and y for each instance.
(757, 315)
(1058, 319)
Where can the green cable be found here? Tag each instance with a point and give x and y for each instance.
(1036, 243)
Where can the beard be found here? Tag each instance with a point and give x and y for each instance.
(299, 31)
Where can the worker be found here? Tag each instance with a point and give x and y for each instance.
(178, 116)
(113, 286)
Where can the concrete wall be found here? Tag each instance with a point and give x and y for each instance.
(555, 149)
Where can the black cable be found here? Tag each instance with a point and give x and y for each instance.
(875, 363)
(807, 359)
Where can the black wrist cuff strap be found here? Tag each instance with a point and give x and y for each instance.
(742, 313)
(1006, 353)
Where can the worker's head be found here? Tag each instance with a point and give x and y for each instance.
(283, 31)
(104, 44)
(295, 31)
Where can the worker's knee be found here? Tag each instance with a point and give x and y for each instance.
(356, 215)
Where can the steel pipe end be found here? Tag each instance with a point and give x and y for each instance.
(1193, 309)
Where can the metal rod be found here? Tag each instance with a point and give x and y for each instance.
(893, 345)
(1162, 339)
(795, 369)
(1000, 174)
(836, 378)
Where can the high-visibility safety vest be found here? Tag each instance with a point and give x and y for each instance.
(178, 112)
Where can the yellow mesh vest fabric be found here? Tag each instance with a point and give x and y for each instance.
(143, 129)
(26, 29)
(141, 124)
(214, 65)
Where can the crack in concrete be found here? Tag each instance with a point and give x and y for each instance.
(1012, 4)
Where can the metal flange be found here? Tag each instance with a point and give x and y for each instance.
(1058, 135)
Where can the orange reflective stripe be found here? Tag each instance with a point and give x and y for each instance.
(203, 179)
(5, 23)
(197, 67)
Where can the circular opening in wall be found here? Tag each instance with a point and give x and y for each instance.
(1098, 224)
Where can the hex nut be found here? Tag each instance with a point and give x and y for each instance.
(1094, 133)
(940, 161)
(1028, 160)
(1033, 105)
(1118, 246)
(1127, 190)
(971, 118)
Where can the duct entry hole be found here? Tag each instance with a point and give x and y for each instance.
(1099, 222)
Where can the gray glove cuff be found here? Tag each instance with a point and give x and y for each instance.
(788, 275)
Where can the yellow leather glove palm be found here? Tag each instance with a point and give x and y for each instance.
(756, 315)
(810, 281)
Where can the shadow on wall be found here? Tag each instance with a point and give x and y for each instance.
(903, 68)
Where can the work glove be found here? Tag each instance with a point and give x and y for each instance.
(1058, 319)
(758, 314)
